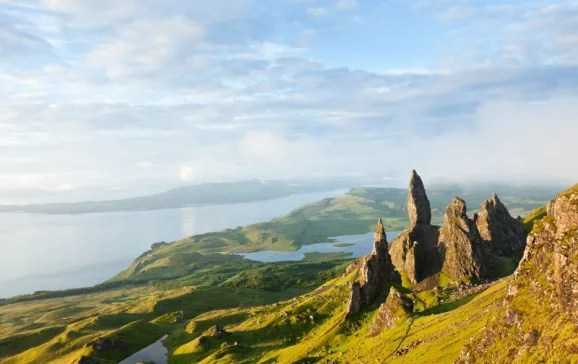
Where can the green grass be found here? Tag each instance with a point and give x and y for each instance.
(343, 245)
(257, 302)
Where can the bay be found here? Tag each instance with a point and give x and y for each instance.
(52, 252)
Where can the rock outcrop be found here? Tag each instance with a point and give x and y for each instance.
(105, 345)
(499, 229)
(417, 202)
(396, 308)
(461, 248)
(538, 319)
(415, 252)
(377, 271)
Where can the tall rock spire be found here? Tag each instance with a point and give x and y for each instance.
(379, 234)
(417, 202)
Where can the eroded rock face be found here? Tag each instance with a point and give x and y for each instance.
(415, 252)
(377, 270)
(396, 308)
(539, 315)
(499, 229)
(462, 251)
(354, 299)
(417, 202)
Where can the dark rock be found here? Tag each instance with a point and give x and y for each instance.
(396, 307)
(178, 318)
(354, 299)
(105, 345)
(158, 245)
(219, 332)
(415, 252)
(462, 251)
(500, 230)
(417, 202)
(204, 342)
(377, 270)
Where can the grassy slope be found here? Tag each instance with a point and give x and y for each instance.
(56, 330)
(285, 332)
(51, 328)
(355, 212)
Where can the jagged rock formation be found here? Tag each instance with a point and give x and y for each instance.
(377, 271)
(538, 319)
(354, 299)
(462, 248)
(462, 251)
(500, 230)
(417, 202)
(396, 307)
(105, 345)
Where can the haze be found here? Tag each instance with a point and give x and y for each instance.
(113, 98)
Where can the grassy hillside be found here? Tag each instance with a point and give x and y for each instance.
(195, 195)
(259, 304)
(313, 329)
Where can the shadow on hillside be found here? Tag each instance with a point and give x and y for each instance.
(449, 306)
(19, 343)
(402, 339)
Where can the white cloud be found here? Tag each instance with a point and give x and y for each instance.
(171, 92)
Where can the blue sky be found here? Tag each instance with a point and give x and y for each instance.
(125, 97)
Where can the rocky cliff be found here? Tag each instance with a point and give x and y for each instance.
(538, 320)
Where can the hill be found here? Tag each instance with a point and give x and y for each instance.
(194, 195)
(220, 308)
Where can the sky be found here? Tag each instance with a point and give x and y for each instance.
(124, 97)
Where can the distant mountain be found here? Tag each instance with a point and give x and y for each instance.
(195, 195)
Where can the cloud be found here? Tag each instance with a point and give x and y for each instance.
(105, 97)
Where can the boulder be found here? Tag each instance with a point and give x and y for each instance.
(417, 202)
(105, 345)
(396, 308)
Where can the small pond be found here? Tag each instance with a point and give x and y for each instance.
(357, 245)
(156, 353)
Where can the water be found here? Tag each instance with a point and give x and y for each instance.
(49, 252)
(156, 353)
(361, 245)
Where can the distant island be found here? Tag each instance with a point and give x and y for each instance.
(196, 195)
